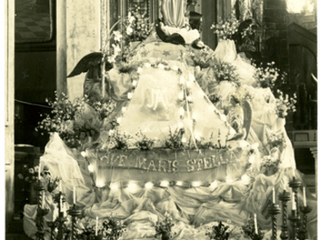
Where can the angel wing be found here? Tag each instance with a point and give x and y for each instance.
(87, 62)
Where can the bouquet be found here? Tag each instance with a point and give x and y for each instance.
(225, 72)
(266, 77)
(219, 232)
(226, 29)
(138, 25)
(78, 122)
(112, 229)
(164, 228)
(119, 140)
(29, 175)
(270, 165)
(284, 104)
(143, 142)
(276, 140)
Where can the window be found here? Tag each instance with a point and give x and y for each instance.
(33, 21)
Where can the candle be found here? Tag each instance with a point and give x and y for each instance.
(304, 197)
(60, 187)
(273, 196)
(39, 170)
(43, 195)
(61, 210)
(97, 220)
(293, 202)
(255, 224)
(293, 173)
(74, 195)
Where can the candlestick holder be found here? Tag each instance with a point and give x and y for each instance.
(303, 233)
(59, 198)
(274, 210)
(52, 225)
(284, 197)
(294, 184)
(294, 222)
(74, 213)
(40, 187)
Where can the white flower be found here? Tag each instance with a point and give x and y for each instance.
(116, 49)
(117, 36)
(131, 18)
(129, 31)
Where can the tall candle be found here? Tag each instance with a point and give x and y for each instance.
(294, 207)
(97, 220)
(43, 195)
(74, 195)
(60, 187)
(61, 210)
(39, 170)
(304, 197)
(273, 196)
(255, 224)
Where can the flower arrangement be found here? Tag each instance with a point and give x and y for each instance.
(226, 29)
(119, 140)
(219, 232)
(77, 122)
(284, 104)
(266, 77)
(249, 231)
(104, 107)
(225, 72)
(269, 165)
(203, 143)
(276, 140)
(176, 139)
(109, 229)
(143, 142)
(138, 25)
(29, 175)
(164, 228)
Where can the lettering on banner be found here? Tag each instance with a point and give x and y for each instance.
(190, 164)
(207, 163)
(122, 160)
(161, 165)
(151, 164)
(175, 166)
(142, 163)
(200, 162)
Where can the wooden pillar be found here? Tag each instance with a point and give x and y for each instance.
(209, 12)
(78, 34)
(9, 109)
